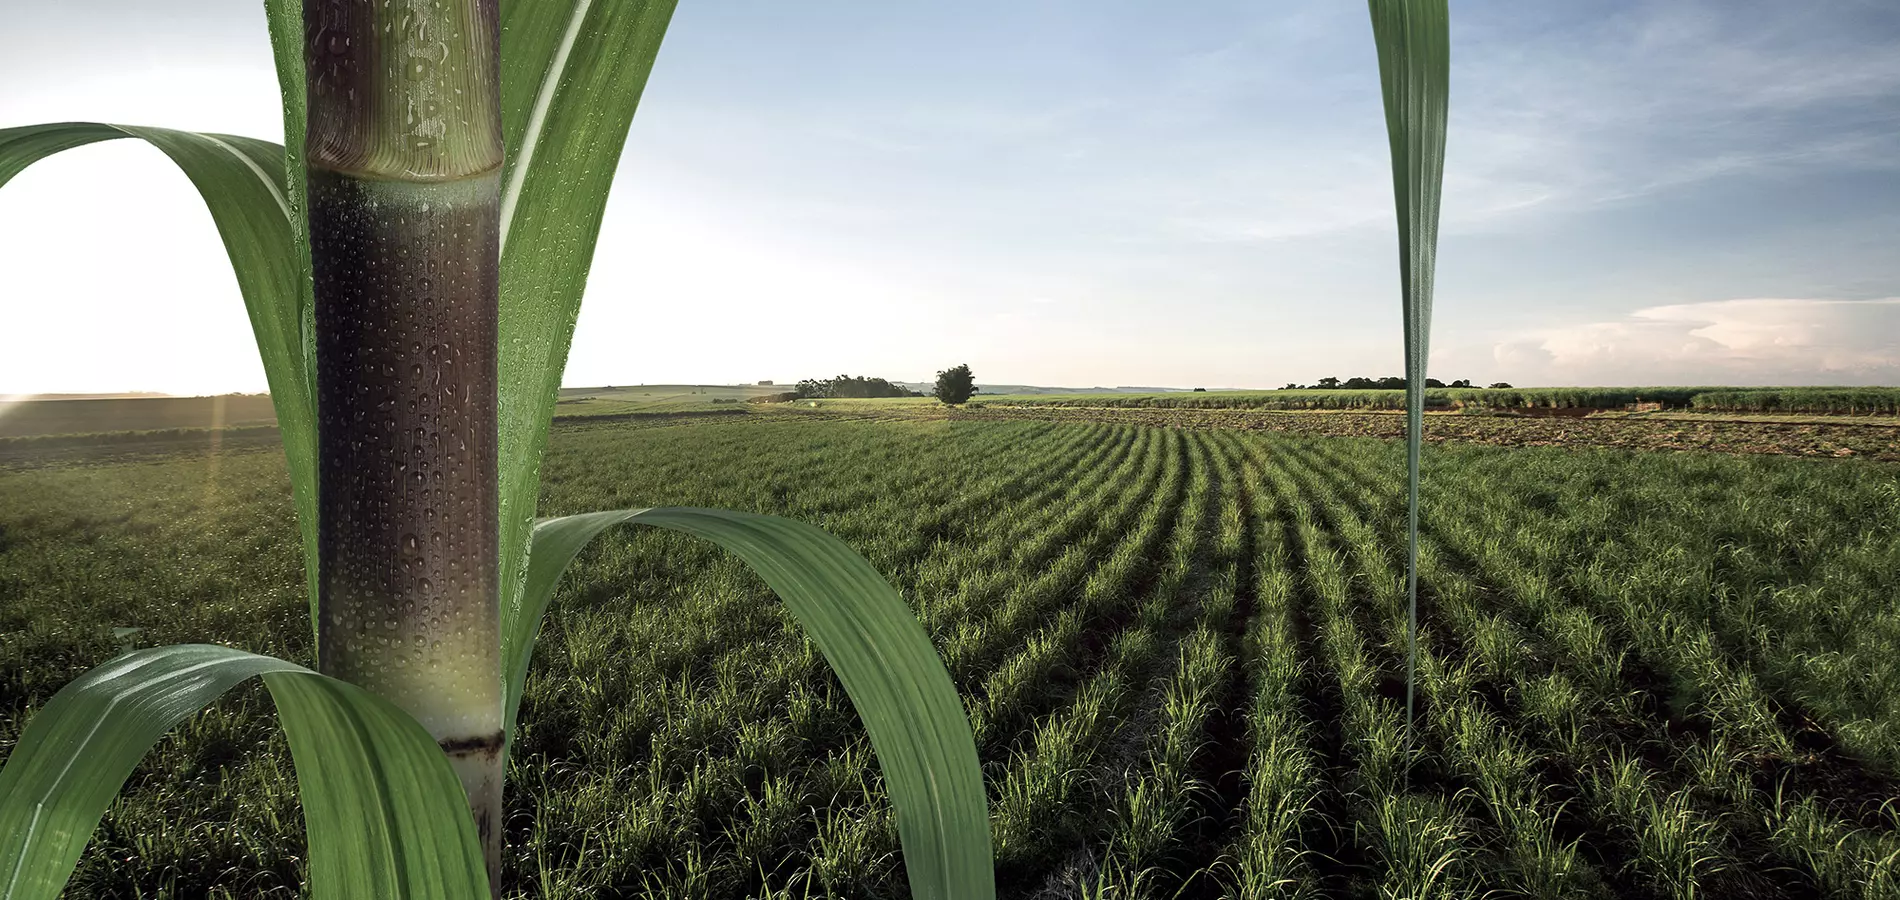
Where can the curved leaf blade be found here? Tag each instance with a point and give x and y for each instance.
(572, 74)
(386, 815)
(1414, 43)
(242, 182)
(893, 675)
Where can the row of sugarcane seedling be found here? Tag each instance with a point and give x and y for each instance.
(1092, 550)
(1793, 580)
(725, 636)
(1069, 574)
(751, 655)
(1573, 653)
(1118, 776)
(1093, 512)
(1789, 574)
(1690, 630)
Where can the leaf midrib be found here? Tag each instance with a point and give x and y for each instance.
(537, 119)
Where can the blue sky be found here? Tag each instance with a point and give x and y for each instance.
(1679, 191)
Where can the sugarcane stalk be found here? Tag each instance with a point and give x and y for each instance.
(403, 160)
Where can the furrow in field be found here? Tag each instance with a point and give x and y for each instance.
(1791, 588)
(1108, 767)
(1151, 466)
(1777, 825)
(1422, 837)
(704, 732)
(1038, 529)
(1228, 604)
(1269, 855)
(1480, 757)
(1166, 796)
(1099, 585)
(1366, 749)
(1696, 851)
(1338, 861)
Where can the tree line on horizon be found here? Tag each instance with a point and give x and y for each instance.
(1388, 383)
(954, 386)
(850, 386)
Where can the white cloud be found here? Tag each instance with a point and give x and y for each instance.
(1749, 341)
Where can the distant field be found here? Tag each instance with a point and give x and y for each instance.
(1851, 401)
(40, 418)
(1873, 437)
(656, 397)
(1179, 635)
(45, 417)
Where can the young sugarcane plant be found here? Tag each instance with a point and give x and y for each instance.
(412, 259)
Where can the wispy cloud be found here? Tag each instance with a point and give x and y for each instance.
(1657, 95)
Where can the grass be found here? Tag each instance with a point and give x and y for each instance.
(1641, 674)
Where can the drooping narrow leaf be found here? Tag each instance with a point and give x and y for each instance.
(242, 182)
(889, 668)
(572, 74)
(1413, 38)
(385, 815)
(285, 20)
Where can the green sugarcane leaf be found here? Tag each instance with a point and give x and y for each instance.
(571, 75)
(1414, 42)
(242, 182)
(385, 814)
(893, 675)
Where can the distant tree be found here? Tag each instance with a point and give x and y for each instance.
(1434, 383)
(1461, 383)
(1291, 386)
(1500, 384)
(1201, 390)
(955, 385)
(1326, 384)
